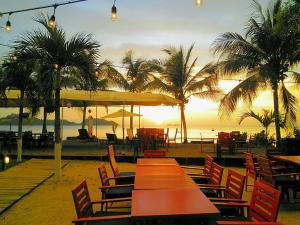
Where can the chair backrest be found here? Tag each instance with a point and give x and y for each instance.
(216, 174)
(112, 161)
(264, 203)
(82, 200)
(208, 161)
(265, 170)
(155, 154)
(111, 138)
(250, 167)
(234, 185)
(103, 175)
(83, 134)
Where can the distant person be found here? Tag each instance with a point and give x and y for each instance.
(90, 123)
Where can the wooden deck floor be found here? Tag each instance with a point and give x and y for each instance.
(18, 181)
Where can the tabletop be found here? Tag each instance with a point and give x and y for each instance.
(290, 159)
(163, 182)
(157, 162)
(176, 202)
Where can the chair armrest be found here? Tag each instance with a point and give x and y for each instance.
(200, 176)
(115, 186)
(122, 177)
(101, 218)
(285, 174)
(212, 187)
(112, 200)
(227, 199)
(191, 167)
(246, 223)
(231, 204)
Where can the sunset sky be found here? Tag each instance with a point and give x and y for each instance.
(146, 27)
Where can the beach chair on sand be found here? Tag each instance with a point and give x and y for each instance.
(84, 135)
(86, 214)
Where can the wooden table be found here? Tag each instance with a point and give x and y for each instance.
(289, 159)
(162, 190)
(163, 182)
(157, 162)
(185, 203)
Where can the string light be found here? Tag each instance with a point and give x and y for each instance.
(8, 24)
(114, 15)
(51, 22)
(199, 3)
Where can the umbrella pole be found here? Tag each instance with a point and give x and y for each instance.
(123, 123)
(97, 122)
(139, 116)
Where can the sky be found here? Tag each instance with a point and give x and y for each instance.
(146, 27)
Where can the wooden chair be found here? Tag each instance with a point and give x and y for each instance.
(203, 177)
(84, 207)
(263, 207)
(251, 168)
(215, 177)
(206, 170)
(277, 178)
(124, 177)
(155, 154)
(112, 191)
(232, 190)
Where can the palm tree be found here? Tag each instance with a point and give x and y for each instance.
(18, 74)
(137, 77)
(60, 58)
(265, 119)
(80, 83)
(268, 51)
(178, 79)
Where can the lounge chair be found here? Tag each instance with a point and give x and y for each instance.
(112, 139)
(84, 135)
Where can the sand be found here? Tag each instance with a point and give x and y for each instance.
(52, 203)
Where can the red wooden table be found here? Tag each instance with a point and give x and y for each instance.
(163, 182)
(157, 162)
(289, 159)
(153, 204)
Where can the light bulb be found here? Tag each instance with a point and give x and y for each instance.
(114, 15)
(199, 3)
(51, 22)
(8, 26)
(6, 159)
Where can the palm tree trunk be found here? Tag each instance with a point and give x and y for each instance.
(183, 124)
(83, 117)
(19, 141)
(131, 118)
(276, 114)
(44, 130)
(57, 146)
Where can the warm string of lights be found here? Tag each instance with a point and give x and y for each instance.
(51, 22)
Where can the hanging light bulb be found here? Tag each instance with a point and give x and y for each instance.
(114, 15)
(199, 3)
(8, 24)
(51, 22)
